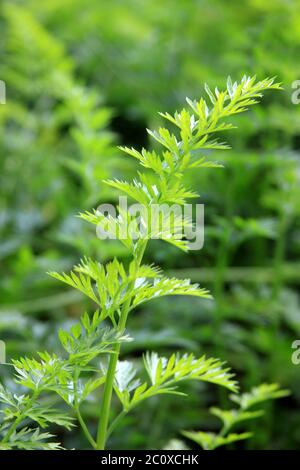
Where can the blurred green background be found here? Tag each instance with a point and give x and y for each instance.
(84, 77)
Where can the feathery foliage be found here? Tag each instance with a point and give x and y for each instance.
(235, 416)
(117, 289)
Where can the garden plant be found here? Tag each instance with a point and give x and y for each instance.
(52, 387)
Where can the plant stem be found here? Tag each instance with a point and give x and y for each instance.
(105, 406)
(78, 413)
(84, 427)
(116, 422)
(108, 388)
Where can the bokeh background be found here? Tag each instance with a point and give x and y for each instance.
(84, 77)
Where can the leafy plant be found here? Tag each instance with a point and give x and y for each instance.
(50, 115)
(235, 416)
(117, 289)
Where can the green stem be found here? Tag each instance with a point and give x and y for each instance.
(84, 427)
(78, 413)
(108, 388)
(115, 422)
(105, 406)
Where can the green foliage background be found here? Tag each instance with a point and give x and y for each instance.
(84, 77)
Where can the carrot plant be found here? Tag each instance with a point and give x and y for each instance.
(91, 363)
(246, 410)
